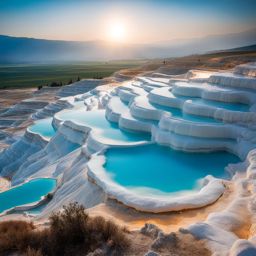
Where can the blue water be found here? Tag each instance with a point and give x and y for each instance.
(164, 169)
(177, 113)
(105, 129)
(29, 192)
(43, 127)
(225, 105)
(219, 104)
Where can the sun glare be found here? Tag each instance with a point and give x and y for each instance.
(116, 32)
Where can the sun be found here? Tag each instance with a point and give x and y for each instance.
(116, 32)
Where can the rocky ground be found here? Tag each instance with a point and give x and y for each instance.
(177, 66)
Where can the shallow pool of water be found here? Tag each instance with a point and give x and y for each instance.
(234, 106)
(29, 192)
(43, 127)
(177, 113)
(164, 169)
(101, 126)
(225, 105)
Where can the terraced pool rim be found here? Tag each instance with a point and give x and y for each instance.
(212, 189)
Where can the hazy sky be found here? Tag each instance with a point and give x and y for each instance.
(130, 21)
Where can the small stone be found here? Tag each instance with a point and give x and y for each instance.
(165, 240)
(97, 252)
(183, 231)
(151, 253)
(150, 230)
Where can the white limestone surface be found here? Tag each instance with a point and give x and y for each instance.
(14, 156)
(246, 69)
(233, 80)
(221, 229)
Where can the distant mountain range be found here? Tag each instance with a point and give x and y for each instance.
(248, 48)
(30, 50)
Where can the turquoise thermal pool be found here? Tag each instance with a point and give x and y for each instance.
(162, 169)
(178, 113)
(29, 192)
(233, 106)
(101, 126)
(43, 127)
(226, 105)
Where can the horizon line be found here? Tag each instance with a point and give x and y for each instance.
(123, 43)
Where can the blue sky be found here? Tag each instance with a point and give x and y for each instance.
(139, 21)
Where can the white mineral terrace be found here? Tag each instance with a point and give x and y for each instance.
(204, 113)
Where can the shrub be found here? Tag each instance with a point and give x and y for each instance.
(68, 230)
(49, 196)
(108, 232)
(15, 235)
(55, 84)
(71, 232)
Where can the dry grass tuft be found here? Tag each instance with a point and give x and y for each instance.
(15, 235)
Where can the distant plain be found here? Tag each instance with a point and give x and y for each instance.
(29, 75)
